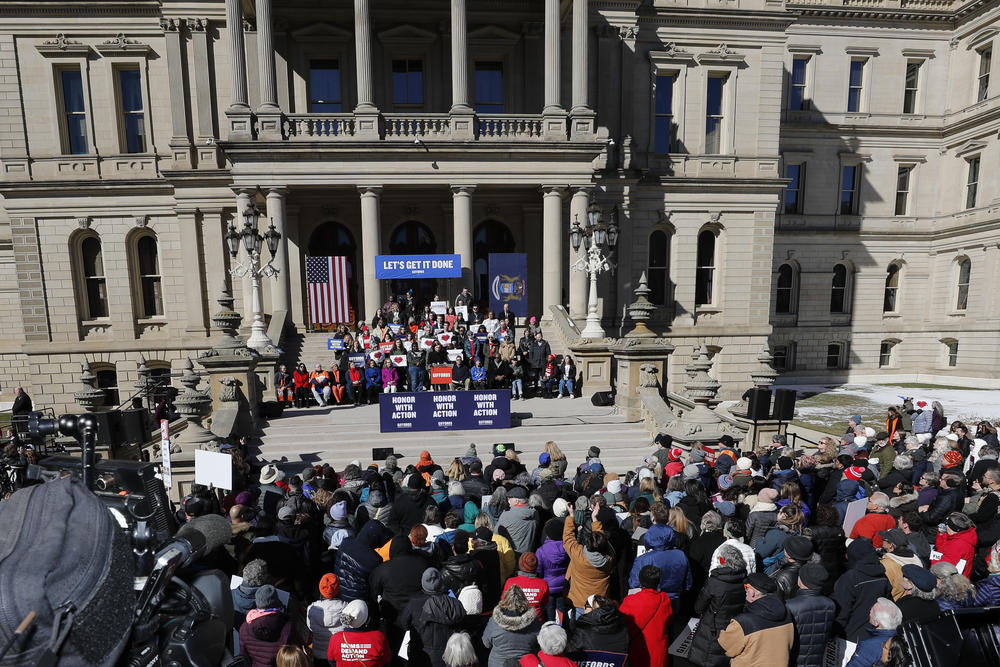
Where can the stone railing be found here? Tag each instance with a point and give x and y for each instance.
(417, 126)
(322, 126)
(925, 5)
(506, 128)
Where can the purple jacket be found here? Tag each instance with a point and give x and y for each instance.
(552, 563)
(390, 376)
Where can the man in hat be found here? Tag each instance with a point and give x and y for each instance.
(883, 452)
(519, 524)
(797, 550)
(813, 614)
(897, 555)
(876, 518)
(271, 495)
(535, 588)
(917, 602)
(763, 635)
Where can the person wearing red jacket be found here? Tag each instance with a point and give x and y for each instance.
(300, 379)
(674, 464)
(957, 542)
(354, 383)
(355, 646)
(535, 588)
(648, 614)
(552, 642)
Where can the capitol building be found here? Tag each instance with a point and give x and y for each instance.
(815, 176)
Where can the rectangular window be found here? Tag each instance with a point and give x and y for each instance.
(784, 357)
(798, 99)
(953, 354)
(833, 355)
(664, 130)
(911, 86)
(408, 83)
(903, 189)
(985, 61)
(74, 111)
(793, 191)
(849, 189)
(489, 87)
(972, 182)
(855, 85)
(133, 116)
(324, 86)
(714, 117)
(885, 355)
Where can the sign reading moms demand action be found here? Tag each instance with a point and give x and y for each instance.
(444, 410)
(402, 267)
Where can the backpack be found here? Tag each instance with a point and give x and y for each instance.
(64, 556)
(863, 490)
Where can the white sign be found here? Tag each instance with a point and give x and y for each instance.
(439, 307)
(213, 469)
(454, 355)
(463, 311)
(165, 454)
(855, 510)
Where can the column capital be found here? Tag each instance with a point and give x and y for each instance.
(276, 191)
(582, 188)
(244, 190)
(370, 190)
(548, 190)
(462, 189)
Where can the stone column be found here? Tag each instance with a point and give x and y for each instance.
(180, 139)
(237, 59)
(265, 58)
(582, 124)
(370, 246)
(459, 59)
(462, 200)
(552, 243)
(207, 151)
(363, 56)
(194, 280)
(281, 296)
(552, 61)
(578, 279)
(244, 199)
(216, 253)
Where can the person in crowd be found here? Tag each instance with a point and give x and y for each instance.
(390, 377)
(356, 560)
(22, 405)
(763, 635)
(255, 575)
(798, 551)
(813, 615)
(956, 542)
(323, 616)
(459, 651)
(884, 618)
(536, 588)
(513, 628)
(355, 384)
(876, 519)
(267, 628)
(300, 383)
(673, 564)
(567, 376)
(897, 555)
(397, 581)
(917, 602)
(552, 643)
(478, 374)
(320, 384)
(858, 588)
(553, 561)
(719, 601)
(600, 628)
(648, 615)
(590, 563)
(431, 617)
(355, 646)
(763, 516)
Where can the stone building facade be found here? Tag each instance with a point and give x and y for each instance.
(747, 148)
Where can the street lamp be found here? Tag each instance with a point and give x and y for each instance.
(253, 243)
(599, 239)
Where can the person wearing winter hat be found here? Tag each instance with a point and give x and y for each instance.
(896, 545)
(917, 602)
(339, 528)
(763, 516)
(553, 562)
(814, 615)
(255, 575)
(544, 461)
(520, 522)
(798, 549)
(355, 646)
(267, 628)
(615, 495)
(433, 617)
(536, 588)
(857, 589)
(763, 634)
(956, 542)
(323, 615)
(512, 630)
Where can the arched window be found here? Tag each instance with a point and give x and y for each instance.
(705, 272)
(964, 273)
(149, 280)
(787, 286)
(332, 239)
(950, 352)
(95, 287)
(658, 268)
(838, 290)
(414, 238)
(489, 236)
(890, 300)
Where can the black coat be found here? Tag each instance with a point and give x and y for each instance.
(490, 585)
(408, 510)
(460, 571)
(894, 477)
(719, 601)
(828, 542)
(22, 404)
(787, 578)
(356, 560)
(602, 629)
(946, 502)
(476, 487)
(398, 579)
(814, 616)
(855, 592)
(917, 609)
(432, 620)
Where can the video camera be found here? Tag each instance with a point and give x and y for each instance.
(183, 615)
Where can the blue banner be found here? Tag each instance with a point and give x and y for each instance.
(335, 344)
(509, 282)
(598, 658)
(444, 410)
(357, 358)
(403, 267)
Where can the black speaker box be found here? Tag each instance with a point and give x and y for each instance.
(109, 428)
(759, 404)
(135, 426)
(784, 404)
(603, 398)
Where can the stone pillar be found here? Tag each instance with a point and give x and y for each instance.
(552, 59)
(244, 199)
(578, 279)
(281, 296)
(194, 280)
(462, 200)
(216, 253)
(552, 243)
(180, 139)
(238, 112)
(205, 146)
(366, 113)
(459, 60)
(582, 124)
(268, 113)
(370, 244)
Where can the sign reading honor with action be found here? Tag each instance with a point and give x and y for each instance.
(444, 410)
(402, 267)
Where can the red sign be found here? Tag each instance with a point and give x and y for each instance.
(386, 347)
(440, 374)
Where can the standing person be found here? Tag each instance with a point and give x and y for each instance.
(355, 646)
(373, 381)
(858, 588)
(719, 601)
(600, 628)
(266, 629)
(519, 523)
(431, 618)
(300, 379)
(323, 616)
(918, 603)
(884, 618)
(590, 567)
(763, 635)
(22, 403)
(648, 615)
(552, 564)
(538, 355)
(415, 360)
(813, 615)
(956, 541)
(284, 385)
(662, 552)
(535, 588)
(512, 630)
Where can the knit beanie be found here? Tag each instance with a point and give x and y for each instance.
(560, 508)
(528, 562)
(339, 511)
(431, 582)
(255, 573)
(554, 528)
(267, 597)
(329, 586)
(767, 496)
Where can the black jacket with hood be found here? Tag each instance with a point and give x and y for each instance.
(719, 601)
(398, 579)
(859, 588)
(431, 617)
(356, 560)
(602, 629)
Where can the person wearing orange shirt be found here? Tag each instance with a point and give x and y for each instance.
(319, 382)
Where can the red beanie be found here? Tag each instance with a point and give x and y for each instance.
(329, 586)
(675, 454)
(854, 472)
(528, 562)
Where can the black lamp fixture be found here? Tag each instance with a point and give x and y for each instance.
(251, 238)
(596, 231)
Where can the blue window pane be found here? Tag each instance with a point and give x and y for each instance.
(131, 90)
(72, 85)
(799, 71)
(663, 135)
(399, 87)
(489, 87)
(792, 172)
(76, 129)
(664, 94)
(324, 86)
(715, 86)
(407, 82)
(135, 134)
(857, 70)
(795, 98)
(854, 99)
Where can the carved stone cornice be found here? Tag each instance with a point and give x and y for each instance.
(197, 24)
(122, 46)
(63, 46)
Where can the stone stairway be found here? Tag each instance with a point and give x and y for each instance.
(339, 435)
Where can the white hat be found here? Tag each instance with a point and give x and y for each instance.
(560, 508)
(615, 486)
(355, 614)
(743, 463)
(269, 473)
(869, 432)
(860, 441)
(646, 473)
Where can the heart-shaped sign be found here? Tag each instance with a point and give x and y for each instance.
(377, 355)
(426, 343)
(366, 341)
(398, 359)
(445, 337)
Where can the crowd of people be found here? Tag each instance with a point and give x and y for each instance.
(485, 559)
(396, 352)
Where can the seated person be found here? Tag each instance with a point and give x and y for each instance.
(461, 378)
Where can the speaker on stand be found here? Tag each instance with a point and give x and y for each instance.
(784, 406)
(758, 408)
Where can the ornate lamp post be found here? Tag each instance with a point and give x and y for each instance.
(600, 239)
(253, 242)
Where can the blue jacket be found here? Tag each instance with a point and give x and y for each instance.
(478, 373)
(869, 651)
(988, 591)
(373, 377)
(675, 572)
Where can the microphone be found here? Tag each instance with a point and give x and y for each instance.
(198, 537)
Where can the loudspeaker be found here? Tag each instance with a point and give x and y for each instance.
(135, 426)
(759, 404)
(109, 428)
(603, 398)
(784, 404)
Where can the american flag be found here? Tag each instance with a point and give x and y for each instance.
(328, 298)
